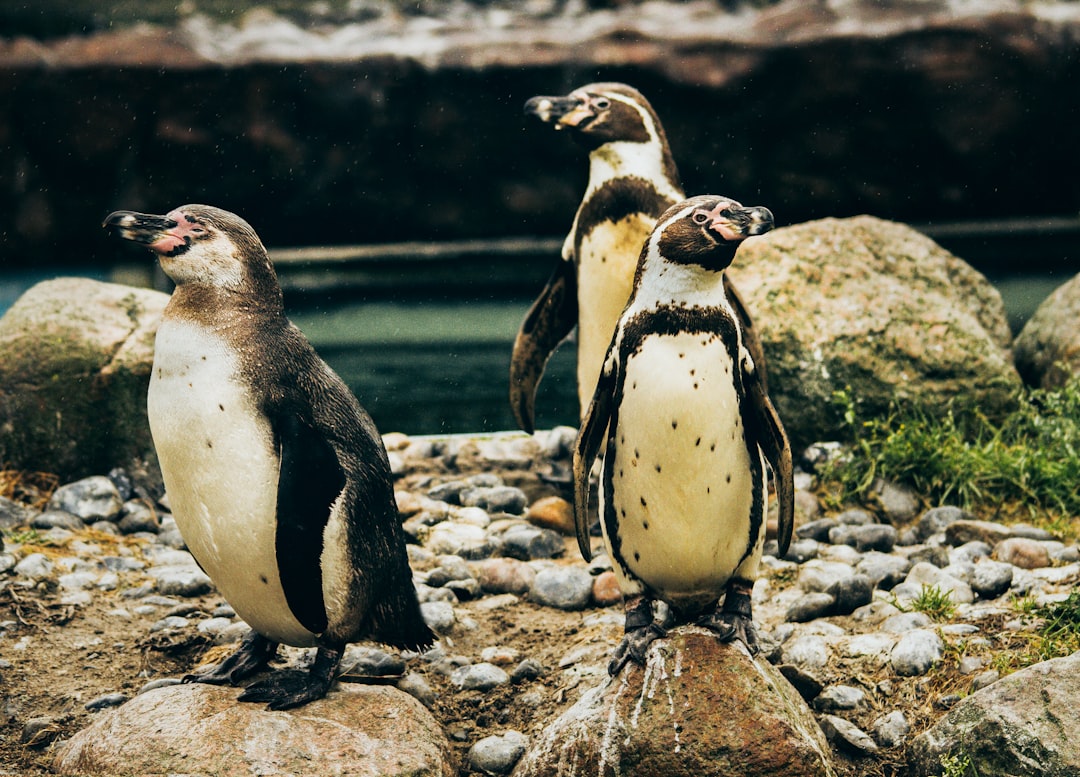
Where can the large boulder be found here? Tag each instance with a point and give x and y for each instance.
(1047, 350)
(357, 730)
(878, 307)
(698, 707)
(1024, 724)
(77, 355)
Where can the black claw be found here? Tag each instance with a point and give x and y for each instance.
(286, 689)
(731, 626)
(293, 688)
(634, 647)
(254, 653)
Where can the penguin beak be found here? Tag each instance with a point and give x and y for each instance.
(569, 111)
(145, 229)
(735, 222)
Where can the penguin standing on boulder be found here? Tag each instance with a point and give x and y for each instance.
(277, 478)
(632, 180)
(688, 427)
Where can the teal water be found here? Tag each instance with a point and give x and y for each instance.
(441, 366)
(436, 367)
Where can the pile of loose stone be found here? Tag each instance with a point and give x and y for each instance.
(489, 531)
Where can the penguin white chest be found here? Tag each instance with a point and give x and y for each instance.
(217, 458)
(607, 258)
(682, 482)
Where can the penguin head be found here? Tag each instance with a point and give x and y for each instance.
(198, 244)
(707, 230)
(600, 113)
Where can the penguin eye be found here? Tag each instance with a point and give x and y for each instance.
(700, 217)
(601, 103)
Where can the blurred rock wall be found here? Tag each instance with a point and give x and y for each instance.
(404, 131)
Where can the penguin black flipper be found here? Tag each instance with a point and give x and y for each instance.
(587, 445)
(773, 440)
(310, 480)
(550, 319)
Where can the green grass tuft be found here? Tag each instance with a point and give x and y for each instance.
(1026, 465)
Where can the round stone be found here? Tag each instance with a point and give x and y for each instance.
(93, 498)
(565, 588)
(916, 652)
(498, 754)
(479, 677)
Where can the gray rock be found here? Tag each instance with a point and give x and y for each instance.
(866, 327)
(35, 566)
(810, 607)
(13, 514)
(363, 661)
(847, 736)
(180, 580)
(95, 498)
(905, 621)
(1047, 349)
(969, 552)
(938, 519)
(891, 730)
(810, 653)
(884, 570)
(876, 536)
(138, 516)
(984, 679)
(817, 574)
(898, 502)
(526, 542)
(498, 499)
(439, 616)
(106, 702)
(528, 669)
(450, 568)
(498, 754)
(52, 519)
(916, 652)
(801, 551)
(927, 575)
(838, 698)
(416, 686)
(451, 538)
(566, 588)
(991, 579)
(850, 593)
(805, 682)
(1024, 723)
(855, 516)
(816, 530)
(479, 677)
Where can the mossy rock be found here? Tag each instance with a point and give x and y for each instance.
(73, 380)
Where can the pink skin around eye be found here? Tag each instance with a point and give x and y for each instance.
(722, 225)
(177, 236)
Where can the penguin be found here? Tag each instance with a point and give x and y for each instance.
(632, 180)
(688, 428)
(276, 476)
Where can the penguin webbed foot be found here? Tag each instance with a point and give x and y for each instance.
(735, 620)
(290, 688)
(253, 655)
(634, 646)
(640, 632)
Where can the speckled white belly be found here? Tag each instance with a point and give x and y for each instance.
(682, 485)
(221, 475)
(607, 260)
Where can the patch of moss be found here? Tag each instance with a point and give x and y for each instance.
(1024, 465)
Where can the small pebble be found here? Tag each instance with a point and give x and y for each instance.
(498, 754)
(565, 588)
(552, 512)
(439, 616)
(916, 652)
(478, 677)
(891, 730)
(605, 590)
(106, 702)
